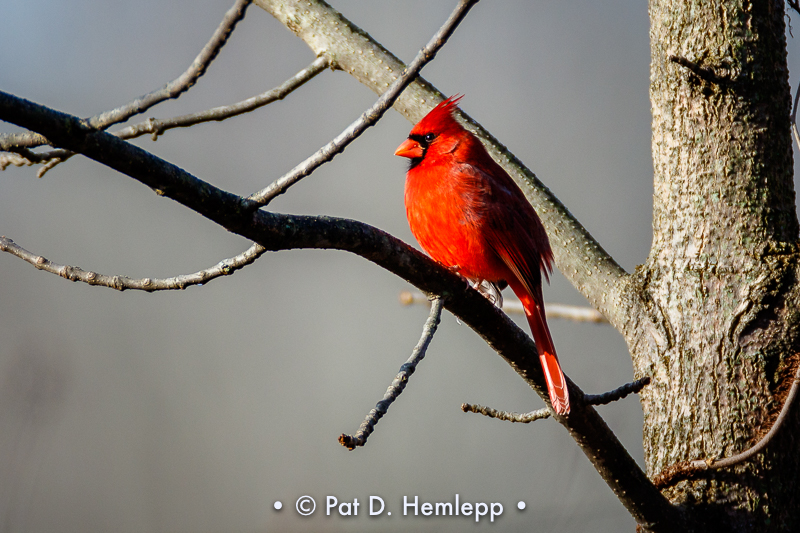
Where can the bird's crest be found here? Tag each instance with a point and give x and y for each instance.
(440, 118)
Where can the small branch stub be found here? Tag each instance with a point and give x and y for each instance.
(701, 72)
(619, 393)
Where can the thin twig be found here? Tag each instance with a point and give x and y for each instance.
(225, 267)
(172, 90)
(36, 157)
(399, 383)
(545, 412)
(633, 387)
(689, 469)
(28, 157)
(370, 117)
(156, 127)
(522, 418)
(553, 310)
(794, 5)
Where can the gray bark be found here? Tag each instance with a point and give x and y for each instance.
(717, 326)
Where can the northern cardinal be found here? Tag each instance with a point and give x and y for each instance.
(469, 215)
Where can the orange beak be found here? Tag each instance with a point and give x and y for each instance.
(410, 148)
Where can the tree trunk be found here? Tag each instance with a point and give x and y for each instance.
(718, 331)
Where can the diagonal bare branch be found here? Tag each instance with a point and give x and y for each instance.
(578, 255)
(226, 267)
(369, 117)
(276, 231)
(351, 442)
(14, 142)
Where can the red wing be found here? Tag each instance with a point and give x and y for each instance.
(516, 235)
(511, 226)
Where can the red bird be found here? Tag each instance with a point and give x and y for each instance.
(471, 217)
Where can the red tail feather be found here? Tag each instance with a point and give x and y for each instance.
(556, 382)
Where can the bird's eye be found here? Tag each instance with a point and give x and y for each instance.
(430, 137)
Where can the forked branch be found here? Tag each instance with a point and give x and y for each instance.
(324, 155)
(16, 142)
(156, 127)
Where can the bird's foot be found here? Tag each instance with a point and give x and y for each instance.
(490, 290)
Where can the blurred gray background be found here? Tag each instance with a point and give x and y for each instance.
(195, 411)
